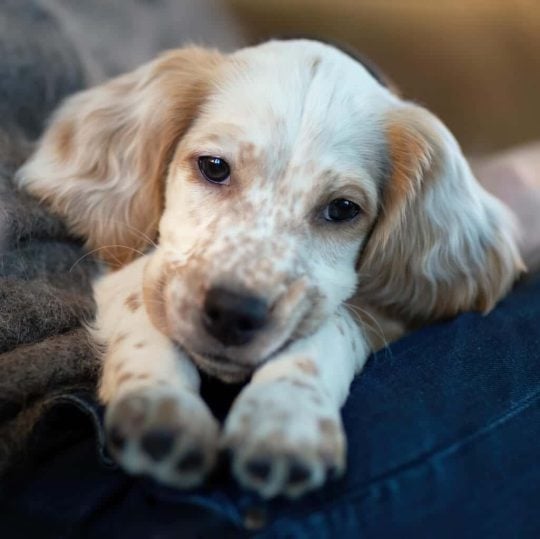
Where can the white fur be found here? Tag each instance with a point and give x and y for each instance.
(301, 124)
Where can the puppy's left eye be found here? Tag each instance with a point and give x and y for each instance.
(214, 169)
(341, 209)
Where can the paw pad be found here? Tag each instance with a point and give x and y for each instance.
(259, 469)
(170, 436)
(158, 443)
(298, 473)
(191, 461)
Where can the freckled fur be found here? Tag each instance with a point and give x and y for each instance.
(307, 366)
(124, 377)
(133, 302)
(300, 123)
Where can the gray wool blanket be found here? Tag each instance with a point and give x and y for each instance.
(44, 283)
(49, 49)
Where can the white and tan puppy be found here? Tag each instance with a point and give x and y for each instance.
(246, 199)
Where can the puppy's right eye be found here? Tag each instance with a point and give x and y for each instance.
(214, 169)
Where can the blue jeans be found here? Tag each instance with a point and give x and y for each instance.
(444, 441)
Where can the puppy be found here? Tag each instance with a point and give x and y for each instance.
(252, 203)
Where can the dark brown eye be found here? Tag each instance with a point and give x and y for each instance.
(341, 209)
(214, 169)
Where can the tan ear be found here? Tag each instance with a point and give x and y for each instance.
(442, 244)
(102, 162)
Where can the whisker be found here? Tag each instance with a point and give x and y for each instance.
(143, 235)
(130, 227)
(80, 259)
(377, 329)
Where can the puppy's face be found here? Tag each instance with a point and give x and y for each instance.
(269, 198)
(283, 178)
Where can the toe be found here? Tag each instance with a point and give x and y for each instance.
(299, 473)
(259, 468)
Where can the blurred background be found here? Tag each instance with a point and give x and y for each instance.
(475, 63)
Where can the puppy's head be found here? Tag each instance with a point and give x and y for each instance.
(276, 181)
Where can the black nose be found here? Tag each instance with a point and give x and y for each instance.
(233, 318)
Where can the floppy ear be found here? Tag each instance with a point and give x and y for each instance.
(102, 163)
(441, 244)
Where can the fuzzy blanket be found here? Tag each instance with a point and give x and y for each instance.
(44, 288)
(49, 49)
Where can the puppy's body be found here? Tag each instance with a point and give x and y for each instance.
(331, 190)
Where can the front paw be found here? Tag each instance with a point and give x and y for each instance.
(285, 438)
(165, 433)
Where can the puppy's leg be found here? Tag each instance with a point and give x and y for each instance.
(155, 420)
(284, 430)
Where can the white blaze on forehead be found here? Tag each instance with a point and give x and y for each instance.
(302, 100)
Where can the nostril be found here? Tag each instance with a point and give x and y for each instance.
(212, 313)
(247, 324)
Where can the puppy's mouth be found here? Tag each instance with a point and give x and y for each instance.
(236, 364)
(230, 370)
(223, 368)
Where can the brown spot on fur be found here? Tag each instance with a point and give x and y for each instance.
(246, 153)
(118, 367)
(133, 302)
(119, 338)
(64, 135)
(328, 427)
(167, 410)
(140, 344)
(154, 300)
(307, 366)
(124, 377)
(283, 189)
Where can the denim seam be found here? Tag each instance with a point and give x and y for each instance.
(425, 458)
